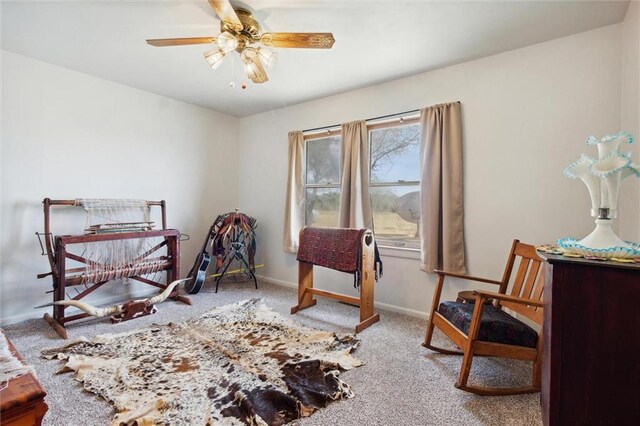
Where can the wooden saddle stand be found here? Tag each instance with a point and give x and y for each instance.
(366, 273)
(58, 252)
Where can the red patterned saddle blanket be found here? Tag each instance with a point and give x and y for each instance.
(335, 248)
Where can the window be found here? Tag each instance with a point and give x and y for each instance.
(394, 166)
(322, 181)
(395, 183)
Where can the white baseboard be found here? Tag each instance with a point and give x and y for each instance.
(380, 305)
(38, 313)
(277, 282)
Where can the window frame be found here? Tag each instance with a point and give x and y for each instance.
(307, 138)
(398, 122)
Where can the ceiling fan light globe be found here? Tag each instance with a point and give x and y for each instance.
(227, 41)
(268, 56)
(249, 68)
(215, 57)
(248, 54)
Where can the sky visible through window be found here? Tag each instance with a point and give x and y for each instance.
(394, 153)
(405, 166)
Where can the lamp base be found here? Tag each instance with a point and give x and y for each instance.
(602, 243)
(603, 237)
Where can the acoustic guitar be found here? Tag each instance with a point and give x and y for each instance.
(198, 275)
(198, 272)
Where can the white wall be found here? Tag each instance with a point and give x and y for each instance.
(526, 114)
(630, 110)
(70, 135)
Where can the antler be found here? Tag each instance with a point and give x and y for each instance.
(115, 309)
(91, 310)
(167, 291)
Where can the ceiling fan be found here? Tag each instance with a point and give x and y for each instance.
(239, 31)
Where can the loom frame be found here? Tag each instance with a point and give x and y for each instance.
(365, 302)
(57, 253)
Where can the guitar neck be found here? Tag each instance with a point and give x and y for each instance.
(206, 240)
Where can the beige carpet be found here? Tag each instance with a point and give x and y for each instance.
(402, 383)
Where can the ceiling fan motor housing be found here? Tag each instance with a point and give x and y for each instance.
(250, 27)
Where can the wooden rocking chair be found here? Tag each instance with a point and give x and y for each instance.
(486, 329)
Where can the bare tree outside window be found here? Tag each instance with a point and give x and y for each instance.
(394, 186)
(394, 153)
(322, 182)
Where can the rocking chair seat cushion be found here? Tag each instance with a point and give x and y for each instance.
(496, 325)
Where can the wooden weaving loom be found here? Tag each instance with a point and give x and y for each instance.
(346, 250)
(121, 253)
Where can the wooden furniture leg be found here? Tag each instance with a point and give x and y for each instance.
(432, 318)
(173, 248)
(367, 314)
(62, 332)
(434, 306)
(537, 364)
(467, 358)
(305, 283)
(57, 320)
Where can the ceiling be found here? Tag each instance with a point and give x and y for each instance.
(376, 41)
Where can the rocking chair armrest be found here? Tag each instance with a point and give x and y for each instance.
(507, 298)
(466, 277)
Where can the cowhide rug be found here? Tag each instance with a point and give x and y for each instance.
(237, 364)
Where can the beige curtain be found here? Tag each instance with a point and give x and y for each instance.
(294, 202)
(441, 218)
(355, 203)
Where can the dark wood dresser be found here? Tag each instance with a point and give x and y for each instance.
(22, 401)
(591, 342)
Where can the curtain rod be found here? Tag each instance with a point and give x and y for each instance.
(376, 118)
(368, 119)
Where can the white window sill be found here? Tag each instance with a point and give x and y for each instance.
(400, 252)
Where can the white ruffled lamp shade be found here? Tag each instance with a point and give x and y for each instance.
(602, 178)
(581, 169)
(631, 170)
(609, 170)
(609, 143)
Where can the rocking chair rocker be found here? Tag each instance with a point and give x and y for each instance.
(486, 329)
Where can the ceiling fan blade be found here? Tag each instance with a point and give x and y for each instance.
(163, 42)
(302, 40)
(225, 12)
